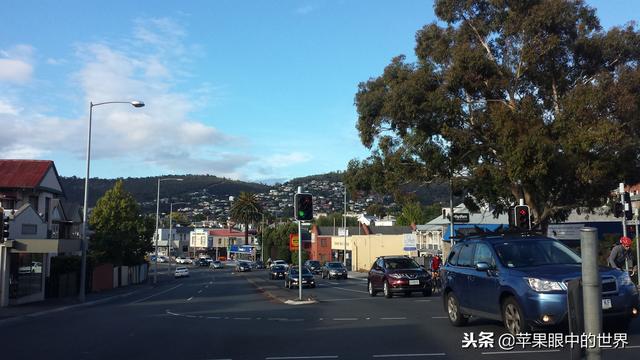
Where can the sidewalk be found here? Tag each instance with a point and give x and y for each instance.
(48, 306)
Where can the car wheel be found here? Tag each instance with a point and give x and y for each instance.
(387, 290)
(453, 310)
(371, 291)
(513, 317)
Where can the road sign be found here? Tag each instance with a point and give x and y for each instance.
(294, 242)
(409, 242)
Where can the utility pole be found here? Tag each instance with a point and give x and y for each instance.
(300, 254)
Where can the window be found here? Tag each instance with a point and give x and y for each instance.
(29, 229)
(466, 255)
(453, 255)
(483, 254)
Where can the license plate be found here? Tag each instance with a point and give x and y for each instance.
(414, 282)
(606, 304)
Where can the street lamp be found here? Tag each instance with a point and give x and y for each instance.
(84, 244)
(171, 234)
(155, 263)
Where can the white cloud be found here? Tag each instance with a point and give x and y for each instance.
(15, 71)
(162, 135)
(7, 108)
(15, 64)
(286, 160)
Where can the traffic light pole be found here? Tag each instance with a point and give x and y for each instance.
(624, 208)
(300, 254)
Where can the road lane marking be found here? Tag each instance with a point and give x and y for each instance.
(394, 318)
(189, 299)
(242, 318)
(519, 352)
(348, 299)
(301, 357)
(407, 355)
(343, 289)
(439, 317)
(160, 293)
(214, 317)
(345, 319)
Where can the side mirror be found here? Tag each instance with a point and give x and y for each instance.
(482, 266)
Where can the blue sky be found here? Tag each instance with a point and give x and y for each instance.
(252, 90)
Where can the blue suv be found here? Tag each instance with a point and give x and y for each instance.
(521, 280)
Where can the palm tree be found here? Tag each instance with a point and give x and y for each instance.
(246, 210)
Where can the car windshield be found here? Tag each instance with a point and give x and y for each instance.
(314, 263)
(334, 265)
(401, 263)
(519, 254)
(278, 267)
(294, 271)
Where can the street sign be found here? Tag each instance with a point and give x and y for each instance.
(461, 217)
(294, 242)
(410, 242)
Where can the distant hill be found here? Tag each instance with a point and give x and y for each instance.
(334, 176)
(145, 189)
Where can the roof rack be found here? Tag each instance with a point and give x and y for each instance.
(500, 231)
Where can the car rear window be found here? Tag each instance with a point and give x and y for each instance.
(401, 263)
(466, 255)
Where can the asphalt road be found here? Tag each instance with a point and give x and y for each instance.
(218, 314)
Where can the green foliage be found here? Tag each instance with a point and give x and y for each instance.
(178, 219)
(294, 257)
(376, 210)
(412, 213)
(276, 240)
(531, 100)
(121, 234)
(337, 217)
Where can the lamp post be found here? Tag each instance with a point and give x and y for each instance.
(171, 234)
(84, 244)
(155, 263)
(345, 227)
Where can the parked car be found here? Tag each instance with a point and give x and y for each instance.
(277, 272)
(217, 264)
(242, 266)
(188, 260)
(181, 271)
(314, 266)
(334, 270)
(280, 262)
(291, 277)
(522, 280)
(398, 274)
(180, 260)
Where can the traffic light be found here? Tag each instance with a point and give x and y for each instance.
(522, 217)
(628, 213)
(303, 207)
(4, 224)
(618, 209)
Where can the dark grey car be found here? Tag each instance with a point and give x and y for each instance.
(334, 270)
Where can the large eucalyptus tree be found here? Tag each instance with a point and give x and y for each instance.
(514, 99)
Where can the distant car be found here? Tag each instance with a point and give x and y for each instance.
(334, 270)
(314, 266)
(181, 271)
(280, 262)
(243, 266)
(202, 262)
(398, 274)
(217, 264)
(277, 272)
(180, 260)
(291, 278)
(162, 259)
(258, 265)
(188, 260)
